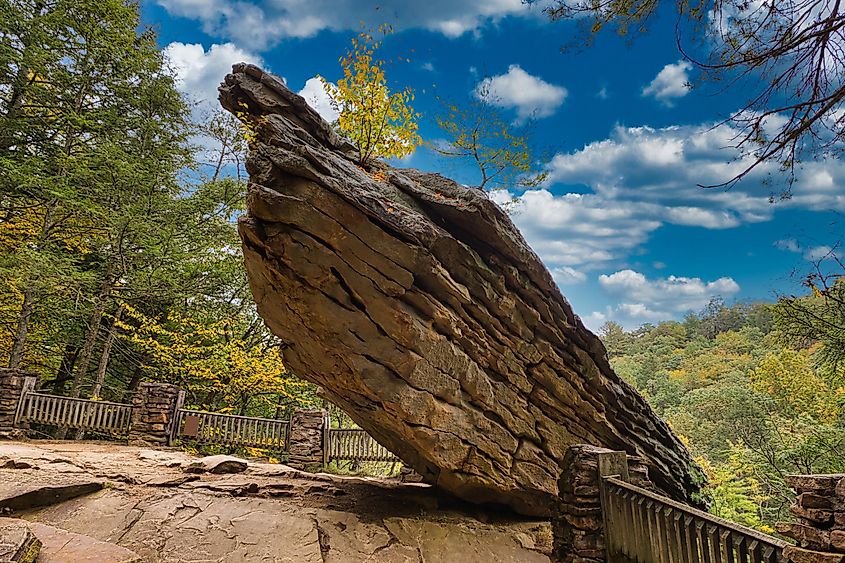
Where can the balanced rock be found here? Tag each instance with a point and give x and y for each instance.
(420, 310)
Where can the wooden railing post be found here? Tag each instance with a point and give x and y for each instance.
(173, 435)
(29, 382)
(327, 436)
(610, 464)
(613, 464)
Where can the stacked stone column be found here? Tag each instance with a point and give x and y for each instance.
(154, 413)
(306, 440)
(819, 529)
(13, 382)
(578, 525)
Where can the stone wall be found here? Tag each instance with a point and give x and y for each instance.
(819, 529)
(305, 444)
(12, 382)
(153, 414)
(577, 524)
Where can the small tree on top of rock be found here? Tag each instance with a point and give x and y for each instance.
(501, 150)
(382, 124)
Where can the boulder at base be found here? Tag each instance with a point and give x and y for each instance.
(420, 310)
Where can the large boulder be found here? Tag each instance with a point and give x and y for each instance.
(419, 309)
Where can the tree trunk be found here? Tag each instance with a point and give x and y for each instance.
(22, 330)
(104, 357)
(104, 362)
(135, 380)
(65, 371)
(91, 336)
(28, 304)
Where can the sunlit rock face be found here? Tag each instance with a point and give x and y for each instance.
(419, 308)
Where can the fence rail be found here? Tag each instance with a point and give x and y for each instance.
(354, 444)
(230, 429)
(85, 414)
(644, 527)
(340, 444)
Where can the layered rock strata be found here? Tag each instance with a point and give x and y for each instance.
(819, 526)
(418, 307)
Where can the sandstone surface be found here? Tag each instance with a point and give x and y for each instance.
(217, 464)
(17, 542)
(269, 512)
(61, 546)
(418, 307)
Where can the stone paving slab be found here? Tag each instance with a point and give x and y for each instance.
(269, 512)
(62, 546)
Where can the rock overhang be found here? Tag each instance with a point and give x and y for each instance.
(418, 307)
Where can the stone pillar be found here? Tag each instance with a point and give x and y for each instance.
(306, 440)
(819, 529)
(153, 413)
(577, 524)
(13, 382)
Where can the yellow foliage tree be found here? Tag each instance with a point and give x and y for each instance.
(499, 149)
(732, 490)
(380, 123)
(789, 378)
(218, 369)
(730, 353)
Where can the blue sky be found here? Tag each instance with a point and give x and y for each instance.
(621, 222)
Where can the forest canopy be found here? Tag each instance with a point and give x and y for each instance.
(119, 256)
(753, 400)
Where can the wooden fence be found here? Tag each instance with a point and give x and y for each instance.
(84, 414)
(354, 444)
(231, 430)
(644, 527)
(340, 444)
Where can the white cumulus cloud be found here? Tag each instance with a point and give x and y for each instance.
(200, 71)
(671, 82)
(818, 253)
(318, 98)
(564, 275)
(261, 25)
(530, 95)
(641, 178)
(673, 293)
(640, 299)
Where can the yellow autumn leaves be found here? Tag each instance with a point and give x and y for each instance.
(209, 361)
(381, 123)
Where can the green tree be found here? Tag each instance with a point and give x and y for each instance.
(818, 318)
(500, 150)
(789, 378)
(733, 492)
(750, 407)
(80, 87)
(616, 340)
